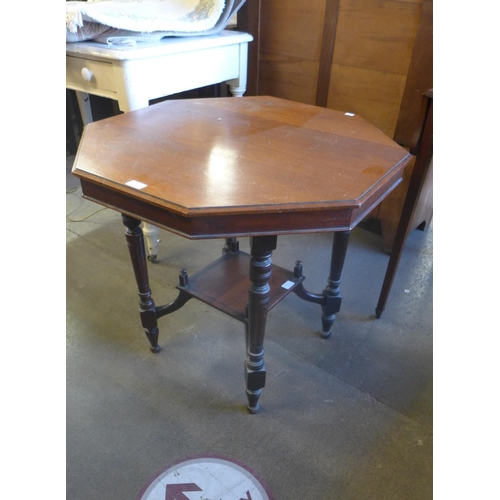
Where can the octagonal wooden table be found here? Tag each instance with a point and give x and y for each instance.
(228, 168)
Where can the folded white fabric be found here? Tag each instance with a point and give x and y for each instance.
(87, 20)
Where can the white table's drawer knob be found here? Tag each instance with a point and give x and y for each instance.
(87, 74)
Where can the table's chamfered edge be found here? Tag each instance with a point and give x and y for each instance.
(385, 183)
(209, 211)
(215, 222)
(381, 190)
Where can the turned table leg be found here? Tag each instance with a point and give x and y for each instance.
(135, 240)
(331, 293)
(258, 298)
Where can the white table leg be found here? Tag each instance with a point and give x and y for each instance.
(84, 104)
(151, 235)
(238, 86)
(237, 91)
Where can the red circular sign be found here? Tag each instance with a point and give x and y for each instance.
(206, 477)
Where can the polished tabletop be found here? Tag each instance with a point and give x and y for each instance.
(239, 166)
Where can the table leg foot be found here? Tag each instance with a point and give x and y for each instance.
(255, 380)
(154, 347)
(237, 91)
(326, 331)
(135, 241)
(253, 406)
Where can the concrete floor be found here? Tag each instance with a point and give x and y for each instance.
(347, 418)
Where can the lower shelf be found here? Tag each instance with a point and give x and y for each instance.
(224, 284)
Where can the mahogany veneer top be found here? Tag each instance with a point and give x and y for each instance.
(239, 166)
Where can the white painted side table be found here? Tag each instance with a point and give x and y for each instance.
(134, 75)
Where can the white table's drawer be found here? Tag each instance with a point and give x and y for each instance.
(88, 75)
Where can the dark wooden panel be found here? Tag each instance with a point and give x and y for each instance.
(408, 128)
(375, 95)
(419, 80)
(291, 37)
(289, 77)
(327, 47)
(373, 48)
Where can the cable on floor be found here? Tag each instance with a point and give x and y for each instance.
(69, 219)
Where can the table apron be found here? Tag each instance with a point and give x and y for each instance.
(235, 225)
